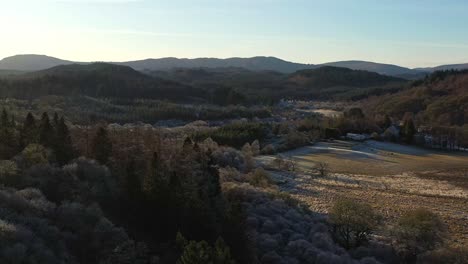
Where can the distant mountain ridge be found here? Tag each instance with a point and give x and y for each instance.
(253, 64)
(94, 80)
(31, 62)
(386, 69)
(42, 62)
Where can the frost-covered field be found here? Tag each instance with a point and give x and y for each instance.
(392, 178)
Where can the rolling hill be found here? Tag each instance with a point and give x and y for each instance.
(30, 62)
(447, 67)
(386, 69)
(253, 64)
(322, 83)
(330, 82)
(41, 62)
(439, 99)
(210, 85)
(95, 80)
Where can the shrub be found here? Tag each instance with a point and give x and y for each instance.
(278, 162)
(229, 174)
(295, 139)
(416, 232)
(332, 133)
(235, 134)
(260, 178)
(201, 252)
(35, 154)
(8, 172)
(352, 223)
(268, 150)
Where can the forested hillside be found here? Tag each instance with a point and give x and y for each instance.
(96, 80)
(439, 99)
(332, 83)
(225, 86)
(326, 83)
(102, 194)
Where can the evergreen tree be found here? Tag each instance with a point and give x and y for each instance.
(4, 121)
(408, 130)
(29, 132)
(102, 146)
(156, 184)
(63, 147)
(46, 132)
(8, 146)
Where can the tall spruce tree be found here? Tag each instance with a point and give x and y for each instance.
(29, 133)
(408, 130)
(8, 145)
(46, 132)
(63, 143)
(102, 146)
(156, 184)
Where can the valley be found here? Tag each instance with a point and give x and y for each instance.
(233, 132)
(392, 178)
(249, 165)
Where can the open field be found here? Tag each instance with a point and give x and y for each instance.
(391, 177)
(325, 112)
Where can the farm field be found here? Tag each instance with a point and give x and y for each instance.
(392, 178)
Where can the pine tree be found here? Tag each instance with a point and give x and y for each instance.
(46, 132)
(8, 141)
(102, 146)
(408, 130)
(29, 131)
(156, 185)
(4, 122)
(63, 147)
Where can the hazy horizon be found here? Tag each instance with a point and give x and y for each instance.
(312, 32)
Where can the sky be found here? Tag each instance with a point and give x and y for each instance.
(416, 33)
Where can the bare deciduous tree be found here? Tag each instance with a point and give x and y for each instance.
(322, 169)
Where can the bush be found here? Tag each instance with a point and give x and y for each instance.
(416, 232)
(278, 162)
(352, 223)
(268, 150)
(235, 134)
(8, 172)
(194, 252)
(295, 139)
(35, 154)
(260, 178)
(332, 133)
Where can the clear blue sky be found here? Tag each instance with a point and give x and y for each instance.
(410, 33)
